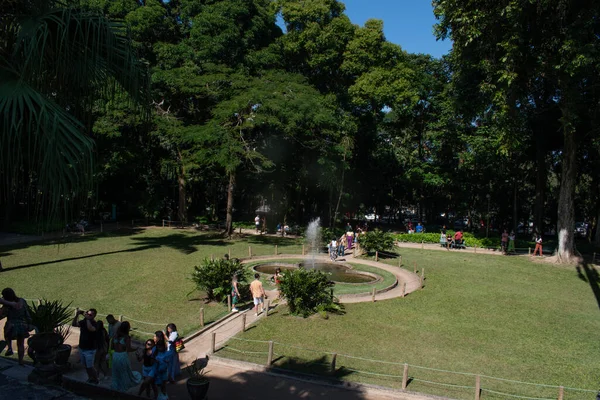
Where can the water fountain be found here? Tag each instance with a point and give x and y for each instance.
(313, 237)
(338, 272)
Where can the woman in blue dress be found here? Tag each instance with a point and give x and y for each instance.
(123, 378)
(161, 367)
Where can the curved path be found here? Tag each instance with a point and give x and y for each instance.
(412, 280)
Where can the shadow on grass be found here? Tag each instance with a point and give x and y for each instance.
(75, 258)
(588, 273)
(178, 241)
(273, 240)
(70, 238)
(182, 242)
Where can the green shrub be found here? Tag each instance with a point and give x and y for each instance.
(376, 240)
(244, 225)
(203, 220)
(329, 233)
(470, 239)
(214, 277)
(307, 292)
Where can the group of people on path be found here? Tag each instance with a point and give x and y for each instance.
(338, 247)
(103, 348)
(99, 346)
(256, 289)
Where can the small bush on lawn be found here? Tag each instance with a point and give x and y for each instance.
(376, 240)
(214, 277)
(307, 292)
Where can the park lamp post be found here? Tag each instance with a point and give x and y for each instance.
(487, 225)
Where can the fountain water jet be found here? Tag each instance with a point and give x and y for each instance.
(313, 237)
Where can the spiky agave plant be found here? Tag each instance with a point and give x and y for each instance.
(52, 316)
(56, 59)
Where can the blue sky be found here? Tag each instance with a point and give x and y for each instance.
(408, 23)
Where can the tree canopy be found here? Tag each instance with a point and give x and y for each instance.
(289, 106)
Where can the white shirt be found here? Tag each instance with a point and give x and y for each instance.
(172, 337)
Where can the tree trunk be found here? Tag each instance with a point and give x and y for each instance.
(229, 220)
(566, 211)
(597, 236)
(515, 210)
(337, 206)
(182, 208)
(540, 184)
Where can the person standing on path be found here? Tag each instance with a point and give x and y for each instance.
(235, 293)
(504, 241)
(538, 244)
(342, 246)
(123, 378)
(333, 248)
(100, 359)
(113, 325)
(277, 281)
(258, 294)
(257, 223)
(161, 366)
(148, 370)
(88, 341)
(511, 242)
(17, 321)
(174, 368)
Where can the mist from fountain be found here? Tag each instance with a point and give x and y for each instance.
(313, 238)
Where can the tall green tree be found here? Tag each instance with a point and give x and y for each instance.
(518, 45)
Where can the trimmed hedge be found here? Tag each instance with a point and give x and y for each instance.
(470, 239)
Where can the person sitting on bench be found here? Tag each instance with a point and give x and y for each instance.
(458, 239)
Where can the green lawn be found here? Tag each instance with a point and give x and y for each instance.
(142, 274)
(503, 317)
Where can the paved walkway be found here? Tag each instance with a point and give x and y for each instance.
(229, 380)
(14, 385)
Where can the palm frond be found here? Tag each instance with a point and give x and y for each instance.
(41, 138)
(56, 60)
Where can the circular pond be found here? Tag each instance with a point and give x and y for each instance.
(339, 273)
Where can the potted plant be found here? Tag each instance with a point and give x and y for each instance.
(197, 383)
(51, 321)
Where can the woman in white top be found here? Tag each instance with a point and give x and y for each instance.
(171, 336)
